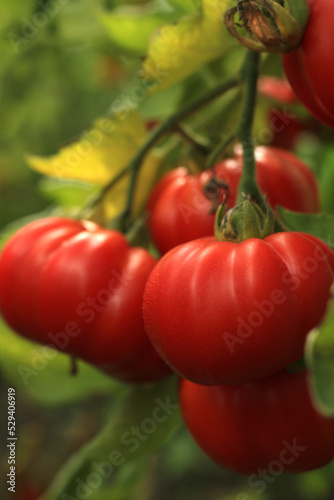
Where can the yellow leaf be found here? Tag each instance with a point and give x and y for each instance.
(115, 200)
(101, 153)
(177, 50)
(147, 177)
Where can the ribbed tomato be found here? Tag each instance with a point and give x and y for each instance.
(261, 428)
(79, 288)
(227, 313)
(179, 211)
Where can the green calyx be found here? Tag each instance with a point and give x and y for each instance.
(244, 221)
(274, 26)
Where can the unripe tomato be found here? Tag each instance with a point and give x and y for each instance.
(79, 288)
(261, 428)
(309, 69)
(229, 313)
(179, 211)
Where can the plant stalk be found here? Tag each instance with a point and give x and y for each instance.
(248, 184)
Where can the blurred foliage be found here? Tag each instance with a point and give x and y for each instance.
(64, 65)
(319, 357)
(176, 50)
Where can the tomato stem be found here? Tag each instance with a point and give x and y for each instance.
(213, 158)
(172, 124)
(73, 366)
(248, 185)
(168, 126)
(200, 143)
(96, 198)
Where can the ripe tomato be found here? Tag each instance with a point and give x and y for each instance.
(309, 69)
(179, 211)
(261, 428)
(228, 313)
(276, 88)
(79, 288)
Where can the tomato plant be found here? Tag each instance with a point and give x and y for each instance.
(233, 309)
(260, 428)
(78, 288)
(228, 313)
(309, 68)
(180, 211)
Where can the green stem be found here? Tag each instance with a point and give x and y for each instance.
(248, 184)
(168, 126)
(213, 158)
(97, 197)
(201, 144)
(171, 124)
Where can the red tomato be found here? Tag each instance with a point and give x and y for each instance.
(284, 125)
(276, 88)
(285, 128)
(228, 313)
(179, 211)
(309, 69)
(79, 288)
(261, 428)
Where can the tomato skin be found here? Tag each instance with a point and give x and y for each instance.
(276, 88)
(180, 212)
(249, 428)
(228, 313)
(79, 288)
(309, 68)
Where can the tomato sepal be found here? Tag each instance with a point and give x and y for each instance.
(268, 25)
(246, 220)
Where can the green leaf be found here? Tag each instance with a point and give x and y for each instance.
(85, 30)
(100, 155)
(315, 484)
(141, 422)
(177, 50)
(13, 11)
(131, 32)
(44, 374)
(186, 6)
(320, 225)
(65, 193)
(326, 180)
(320, 360)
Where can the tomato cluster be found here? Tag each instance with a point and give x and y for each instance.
(226, 317)
(181, 209)
(230, 317)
